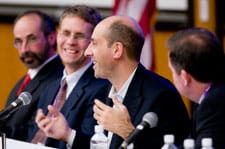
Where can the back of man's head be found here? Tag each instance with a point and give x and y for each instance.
(199, 52)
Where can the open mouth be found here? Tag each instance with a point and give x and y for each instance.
(71, 51)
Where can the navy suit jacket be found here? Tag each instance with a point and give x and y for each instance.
(78, 108)
(148, 92)
(17, 124)
(209, 117)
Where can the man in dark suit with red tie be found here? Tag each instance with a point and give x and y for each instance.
(35, 41)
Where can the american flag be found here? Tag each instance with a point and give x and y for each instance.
(142, 11)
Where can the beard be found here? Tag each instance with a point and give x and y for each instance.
(34, 60)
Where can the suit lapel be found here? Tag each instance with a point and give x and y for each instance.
(52, 92)
(78, 91)
(133, 98)
(42, 75)
(32, 85)
(132, 101)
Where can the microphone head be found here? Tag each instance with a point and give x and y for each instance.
(25, 97)
(151, 118)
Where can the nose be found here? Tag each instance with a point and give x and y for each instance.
(71, 40)
(24, 47)
(88, 52)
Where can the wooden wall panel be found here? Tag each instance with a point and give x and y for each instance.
(11, 67)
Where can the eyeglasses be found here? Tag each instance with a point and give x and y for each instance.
(76, 36)
(30, 40)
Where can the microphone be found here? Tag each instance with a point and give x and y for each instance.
(23, 99)
(150, 119)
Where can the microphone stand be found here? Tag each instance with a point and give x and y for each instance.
(123, 145)
(2, 132)
(4, 115)
(3, 135)
(3, 118)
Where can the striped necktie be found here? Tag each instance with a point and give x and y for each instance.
(59, 101)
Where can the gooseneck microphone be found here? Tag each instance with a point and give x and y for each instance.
(23, 99)
(150, 119)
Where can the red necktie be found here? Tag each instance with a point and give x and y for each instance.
(60, 99)
(24, 84)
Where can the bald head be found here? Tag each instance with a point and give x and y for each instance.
(125, 30)
(125, 20)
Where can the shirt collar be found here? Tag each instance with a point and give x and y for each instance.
(123, 90)
(73, 78)
(204, 93)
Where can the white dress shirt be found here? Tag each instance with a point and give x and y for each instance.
(120, 95)
(71, 81)
(204, 93)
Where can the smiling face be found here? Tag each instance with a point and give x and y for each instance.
(101, 54)
(73, 39)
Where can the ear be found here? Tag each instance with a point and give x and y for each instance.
(118, 50)
(186, 77)
(52, 38)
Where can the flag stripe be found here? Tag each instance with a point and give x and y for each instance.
(135, 8)
(145, 19)
(142, 11)
(120, 7)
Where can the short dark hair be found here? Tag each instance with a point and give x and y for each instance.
(48, 24)
(132, 40)
(87, 13)
(199, 52)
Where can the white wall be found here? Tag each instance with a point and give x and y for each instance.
(100, 3)
(161, 4)
(172, 4)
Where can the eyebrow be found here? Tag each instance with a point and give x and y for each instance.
(27, 36)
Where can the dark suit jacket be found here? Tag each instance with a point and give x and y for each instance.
(209, 117)
(18, 123)
(148, 92)
(78, 108)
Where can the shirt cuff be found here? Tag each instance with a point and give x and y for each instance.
(71, 139)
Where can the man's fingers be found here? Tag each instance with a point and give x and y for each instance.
(44, 122)
(97, 118)
(97, 110)
(52, 111)
(118, 104)
(39, 116)
(101, 105)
